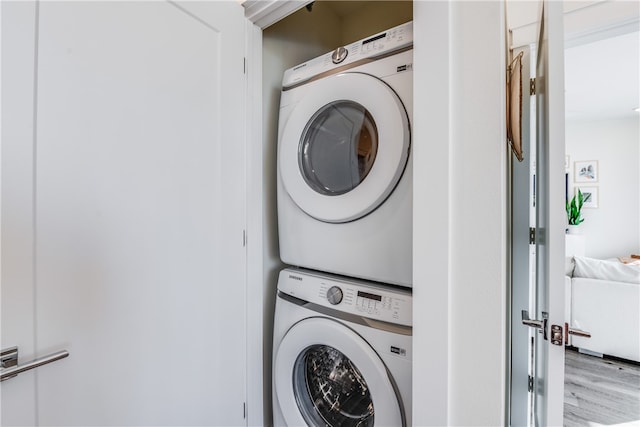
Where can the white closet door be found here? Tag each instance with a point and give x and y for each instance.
(138, 201)
(548, 377)
(17, 405)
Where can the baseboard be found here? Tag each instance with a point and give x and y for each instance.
(590, 353)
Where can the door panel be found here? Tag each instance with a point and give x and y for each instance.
(522, 258)
(550, 214)
(139, 183)
(17, 293)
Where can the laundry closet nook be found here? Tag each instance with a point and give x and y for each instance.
(310, 32)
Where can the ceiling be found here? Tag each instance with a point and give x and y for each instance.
(601, 78)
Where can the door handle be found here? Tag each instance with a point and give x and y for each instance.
(9, 359)
(538, 324)
(568, 330)
(556, 330)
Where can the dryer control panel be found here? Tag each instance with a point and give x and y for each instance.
(351, 55)
(366, 299)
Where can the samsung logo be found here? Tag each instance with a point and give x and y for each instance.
(296, 68)
(295, 277)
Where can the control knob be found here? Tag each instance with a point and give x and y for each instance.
(339, 55)
(334, 295)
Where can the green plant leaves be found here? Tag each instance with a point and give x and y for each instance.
(574, 209)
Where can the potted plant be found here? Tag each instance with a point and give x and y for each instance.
(574, 209)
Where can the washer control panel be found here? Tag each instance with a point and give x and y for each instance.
(380, 44)
(367, 299)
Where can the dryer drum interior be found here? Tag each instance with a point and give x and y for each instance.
(330, 390)
(338, 147)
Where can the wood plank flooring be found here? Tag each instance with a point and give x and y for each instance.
(600, 391)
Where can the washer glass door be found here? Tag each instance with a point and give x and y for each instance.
(330, 390)
(326, 374)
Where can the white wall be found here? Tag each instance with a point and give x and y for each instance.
(613, 229)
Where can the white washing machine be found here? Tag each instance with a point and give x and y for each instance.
(344, 160)
(342, 352)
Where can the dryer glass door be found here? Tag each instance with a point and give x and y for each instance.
(330, 390)
(344, 147)
(338, 148)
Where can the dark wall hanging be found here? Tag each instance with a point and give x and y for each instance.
(514, 106)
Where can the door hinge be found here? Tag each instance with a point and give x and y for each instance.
(530, 384)
(244, 65)
(532, 86)
(244, 410)
(532, 235)
(244, 238)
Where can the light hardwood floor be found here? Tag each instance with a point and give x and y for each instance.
(600, 391)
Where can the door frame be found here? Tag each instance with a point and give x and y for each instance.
(464, 306)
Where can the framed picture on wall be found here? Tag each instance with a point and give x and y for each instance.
(590, 196)
(585, 171)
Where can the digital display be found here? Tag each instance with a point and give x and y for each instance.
(369, 296)
(374, 38)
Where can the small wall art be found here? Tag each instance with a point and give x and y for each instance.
(585, 171)
(590, 195)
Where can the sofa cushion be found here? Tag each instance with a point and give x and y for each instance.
(606, 270)
(569, 265)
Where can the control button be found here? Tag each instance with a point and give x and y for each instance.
(339, 55)
(334, 295)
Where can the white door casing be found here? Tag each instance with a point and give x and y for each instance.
(137, 199)
(442, 380)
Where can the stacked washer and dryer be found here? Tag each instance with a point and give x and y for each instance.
(342, 346)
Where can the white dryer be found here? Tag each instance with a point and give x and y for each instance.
(342, 352)
(344, 160)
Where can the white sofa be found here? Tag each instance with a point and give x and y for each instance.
(604, 299)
